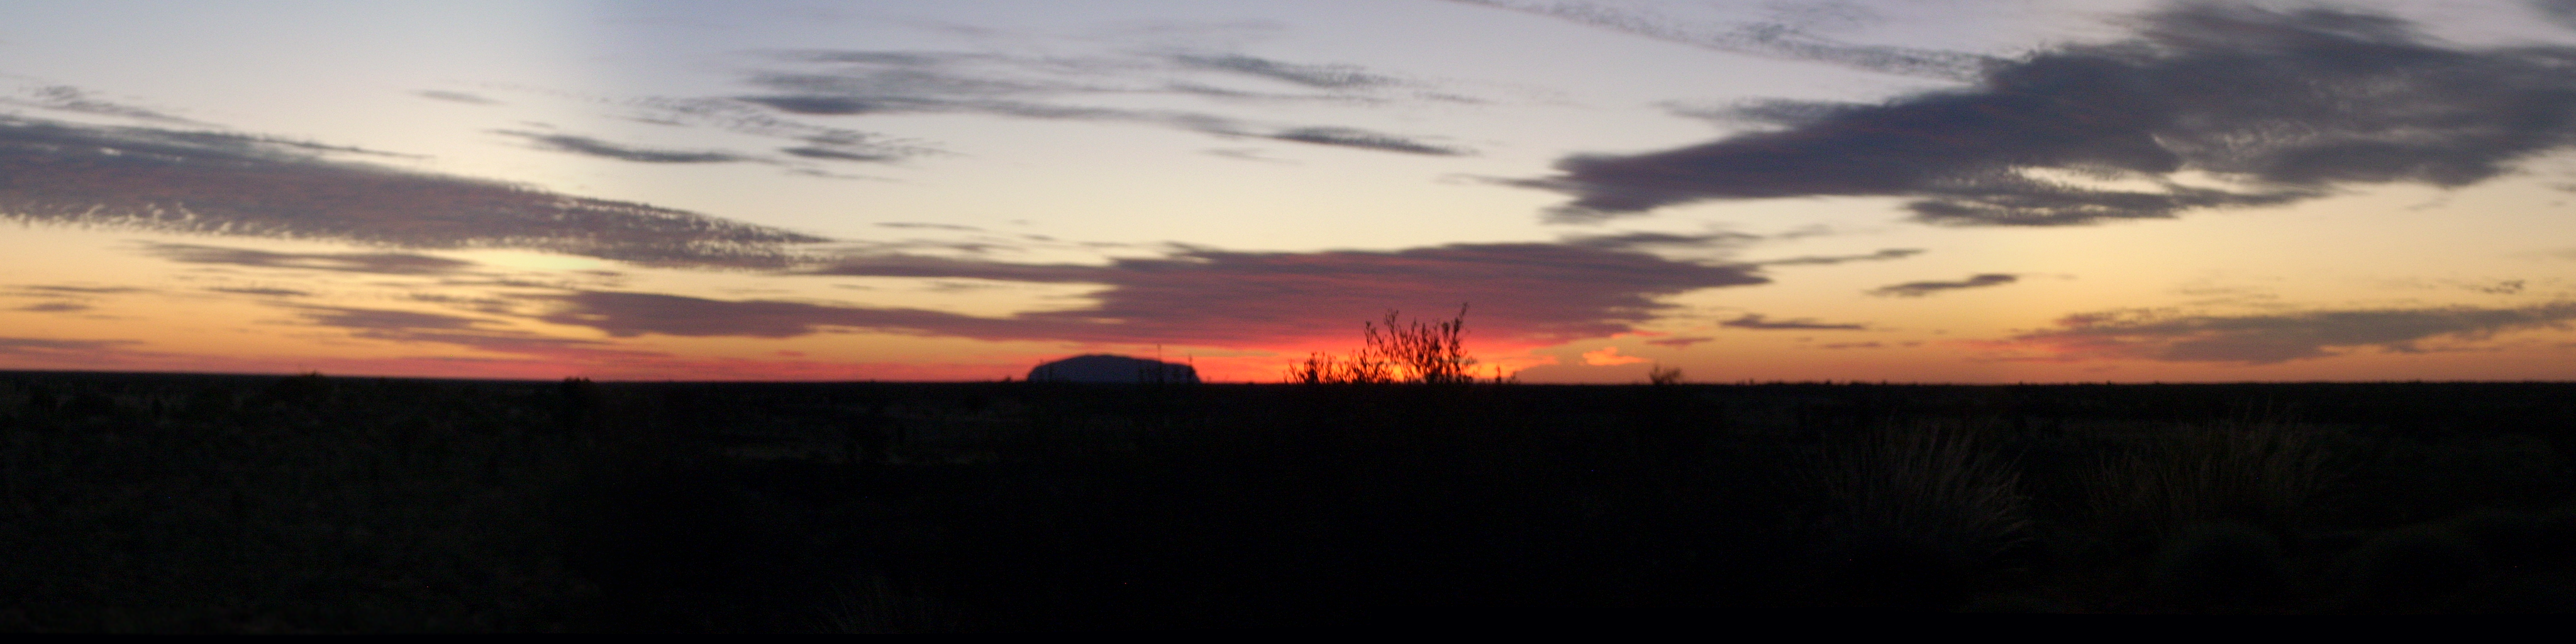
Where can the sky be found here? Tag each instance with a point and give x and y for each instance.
(1968, 191)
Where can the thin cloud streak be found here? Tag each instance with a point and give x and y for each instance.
(1762, 323)
(1776, 39)
(856, 83)
(1920, 289)
(66, 98)
(2269, 339)
(455, 97)
(378, 263)
(594, 147)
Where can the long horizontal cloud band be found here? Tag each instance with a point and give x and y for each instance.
(1525, 293)
(2281, 106)
(2265, 339)
(197, 182)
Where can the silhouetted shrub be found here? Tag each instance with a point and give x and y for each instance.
(2257, 474)
(1908, 514)
(1416, 352)
(875, 606)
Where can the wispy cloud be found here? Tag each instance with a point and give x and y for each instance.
(1327, 76)
(84, 290)
(1363, 139)
(417, 327)
(379, 263)
(54, 307)
(1853, 345)
(852, 83)
(1645, 240)
(66, 98)
(1761, 323)
(1920, 289)
(1783, 36)
(927, 225)
(49, 348)
(2266, 339)
(1881, 255)
(594, 147)
(2277, 107)
(214, 183)
(1679, 342)
(456, 97)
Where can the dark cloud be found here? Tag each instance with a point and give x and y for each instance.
(54, 307)
(1920, 289)
(1852, 345)
(456, 97)
(1787, 36)
(2266, 339)
(264, 292)
(208, 183)
(381, 263)
(2281, 106)
(1758, 323)
(1354, 138)
(1679, 342)
(1519, 292)
(603, 149)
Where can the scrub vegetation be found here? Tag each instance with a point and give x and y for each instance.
(186, 503)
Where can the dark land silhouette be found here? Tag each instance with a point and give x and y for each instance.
(1112, 369)
(196, 503)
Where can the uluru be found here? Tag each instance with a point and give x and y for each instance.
(1105, 368)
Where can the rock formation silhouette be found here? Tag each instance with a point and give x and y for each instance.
(1113, 369)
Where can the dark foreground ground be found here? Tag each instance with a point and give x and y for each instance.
(136, 502)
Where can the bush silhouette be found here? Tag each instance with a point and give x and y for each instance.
(2262, 475)
(1410, 352)
(1909, 514)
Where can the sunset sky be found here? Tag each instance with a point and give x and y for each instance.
(1899, 190)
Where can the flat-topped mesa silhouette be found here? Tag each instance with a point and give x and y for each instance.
(1104, 368)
